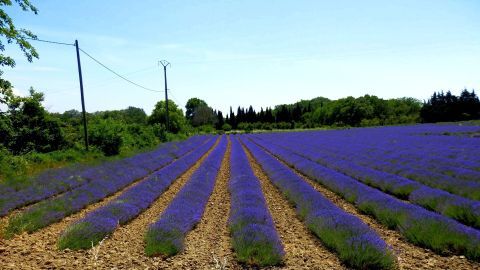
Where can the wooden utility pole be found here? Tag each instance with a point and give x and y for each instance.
(81, 95)
(165, 64)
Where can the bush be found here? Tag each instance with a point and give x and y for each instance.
(136, 136)
(226, 127)
(106, 135)
(206, 129)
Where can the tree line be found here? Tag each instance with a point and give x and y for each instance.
(446, 107)
(318, 112)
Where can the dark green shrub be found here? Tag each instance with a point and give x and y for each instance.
(106, 135)
(226, 127)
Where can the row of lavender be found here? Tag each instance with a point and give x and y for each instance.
(464, 210)
(356, 244)
(52, 210)
(416, 224)
(166, 236)
(57, 181)
(253, 233)
(407, 151)
(96, 225)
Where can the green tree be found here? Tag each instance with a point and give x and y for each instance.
(12, 34)
(203, 115)
(176, 118)
(191, 107)
(27, 126)
(106, 134)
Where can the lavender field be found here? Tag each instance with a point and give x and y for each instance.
(399, 197)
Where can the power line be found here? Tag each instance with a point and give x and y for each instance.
(53, 42)
(109, 81)
(98, 62)
(120, 76)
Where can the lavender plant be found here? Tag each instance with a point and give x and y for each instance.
(166, 236)
(254, 237)
(52, 210)
(57, 181)
(443, 162)
(98, 224)
(416, 224)
(450, 205)
(355, 243)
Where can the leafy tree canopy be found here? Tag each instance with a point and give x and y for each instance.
(176, 118)
(12, 34)
(191, 107)
(26, 126)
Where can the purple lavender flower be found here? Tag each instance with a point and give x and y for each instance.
(356, 244)
(418, 225)
(254, 237)
(166, 235)
(113, 178)
(131, 202)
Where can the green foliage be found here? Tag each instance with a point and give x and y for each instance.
(203, 115)
(431, 233)
(163, 242)
(438, 237)
(191, 107)
(27, 126)
(247, 127)
(205, 129)
(447, 107)
(363, 111)
(388, 218)
(226, 127)
(12, 34)
(198, 113)
(367, 111)
(130, 115)
(79, 236)
(177, 121)
(355, 256)
(456, 211)
(136, 136)
(106, 134)
(255, 251)
(31, 221)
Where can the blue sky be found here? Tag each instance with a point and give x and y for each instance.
(259, 53)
